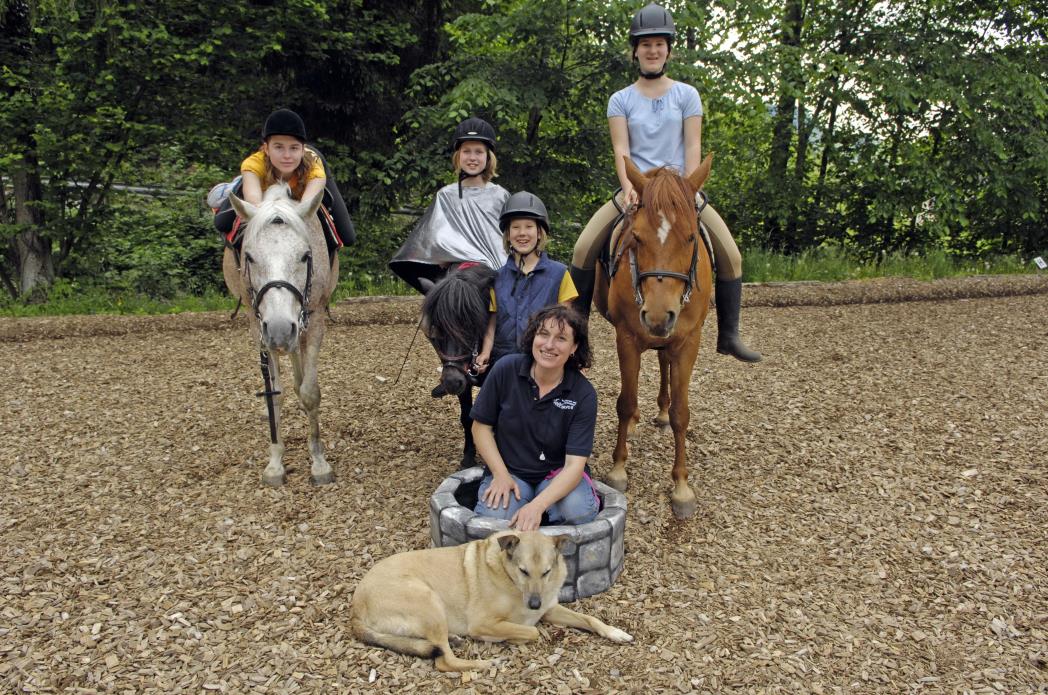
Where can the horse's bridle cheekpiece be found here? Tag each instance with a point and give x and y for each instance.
(302, 296)
(637, 276)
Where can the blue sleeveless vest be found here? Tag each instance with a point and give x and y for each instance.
(518, 296)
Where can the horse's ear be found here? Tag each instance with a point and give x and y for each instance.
(244, 209)
(426, 284)
(638, 179)
(307, 208)
(698, 177)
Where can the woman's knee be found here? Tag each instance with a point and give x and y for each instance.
(578, 507)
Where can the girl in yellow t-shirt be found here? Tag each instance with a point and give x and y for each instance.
(284, 157)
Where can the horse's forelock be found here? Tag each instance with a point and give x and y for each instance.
(669, 193)
(458, 308)
(276, 206)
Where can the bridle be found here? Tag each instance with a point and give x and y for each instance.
(637, 276)
(457, 361)
(302, 296)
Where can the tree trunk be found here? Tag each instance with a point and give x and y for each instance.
(30, 252)
(790, 85)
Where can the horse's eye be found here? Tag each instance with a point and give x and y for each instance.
(248, 258)
(305, 257)
(278, 220)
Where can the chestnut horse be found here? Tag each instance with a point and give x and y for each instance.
(657, 297)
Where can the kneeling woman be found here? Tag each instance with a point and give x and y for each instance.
(533, 425)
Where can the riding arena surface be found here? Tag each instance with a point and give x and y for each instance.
(872, 506)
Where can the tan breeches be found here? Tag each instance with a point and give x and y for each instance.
(587, 248)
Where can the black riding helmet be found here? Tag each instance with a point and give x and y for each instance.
(652, 20)
(284, 122)
(524, 204)
(474, 129)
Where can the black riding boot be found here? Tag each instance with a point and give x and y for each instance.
(728, 300)
(583, 280)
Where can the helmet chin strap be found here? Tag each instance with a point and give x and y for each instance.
(463, 175)
(654, 75)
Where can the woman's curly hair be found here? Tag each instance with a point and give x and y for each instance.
(562, 315)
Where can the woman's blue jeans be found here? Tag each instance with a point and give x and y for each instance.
(577, 507)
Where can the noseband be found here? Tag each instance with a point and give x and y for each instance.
(457, 362)
(302, 296)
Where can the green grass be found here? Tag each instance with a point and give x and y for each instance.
(822, 264)
(830, 264)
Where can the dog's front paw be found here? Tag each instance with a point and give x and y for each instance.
(620, 636)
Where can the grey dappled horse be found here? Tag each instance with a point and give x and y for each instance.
(285, 275)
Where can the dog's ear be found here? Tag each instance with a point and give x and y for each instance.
(561, 540)
(509, 543)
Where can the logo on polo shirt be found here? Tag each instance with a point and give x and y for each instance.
(564, 403)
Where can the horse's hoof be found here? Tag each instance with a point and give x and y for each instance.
(273, 480)
(684, 509)
(616, 482)
(662, 424)
(324, 479)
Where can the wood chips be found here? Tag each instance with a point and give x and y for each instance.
(873, 511)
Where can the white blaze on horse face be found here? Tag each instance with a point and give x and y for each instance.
(664, 229)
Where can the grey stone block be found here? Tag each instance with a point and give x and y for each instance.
(445, 499)
(612, 498)
(483, 526)
(469, 475)
(617, 550)
(453, 522)
(567, 594)
(572, 563)
(594, 530)
(593, 582)
(595, 555)
(449, 485)
(615, 572)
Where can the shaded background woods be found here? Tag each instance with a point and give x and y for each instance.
(875, 126)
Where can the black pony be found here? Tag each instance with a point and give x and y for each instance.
(454, 318)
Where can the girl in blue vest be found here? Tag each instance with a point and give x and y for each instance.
(529, 280)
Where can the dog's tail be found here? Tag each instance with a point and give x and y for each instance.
(415, 646)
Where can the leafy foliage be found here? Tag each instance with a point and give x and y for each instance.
(872, 127)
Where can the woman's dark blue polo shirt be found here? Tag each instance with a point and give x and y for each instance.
(534, 435)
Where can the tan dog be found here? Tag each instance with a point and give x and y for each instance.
(494, 589)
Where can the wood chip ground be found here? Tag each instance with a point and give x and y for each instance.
(873, 505)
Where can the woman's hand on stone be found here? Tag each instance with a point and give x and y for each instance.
(528, 517)
(498, 493)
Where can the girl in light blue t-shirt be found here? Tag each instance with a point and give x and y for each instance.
(657, 122)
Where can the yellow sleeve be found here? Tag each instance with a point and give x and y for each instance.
(256, 164)
(567, 288)
(492, 305)
(317, 172)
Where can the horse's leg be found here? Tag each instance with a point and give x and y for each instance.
(626, 406)
(274, 471)
(682, 497)
(308, 388)
(663, 418)
(469, 450)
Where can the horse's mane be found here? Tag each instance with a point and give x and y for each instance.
(667, 192)
(457, 306)
(277, 203)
